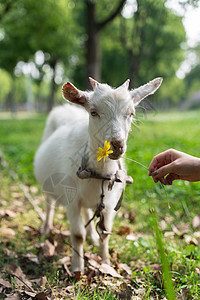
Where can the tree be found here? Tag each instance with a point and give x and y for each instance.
(94, 27)
(38, 25)
(152, 40)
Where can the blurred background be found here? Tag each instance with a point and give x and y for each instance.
(46, 43)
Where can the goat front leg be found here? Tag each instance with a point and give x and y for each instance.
(78, 234)
(90, 229)
(104, 241)
(50, 208)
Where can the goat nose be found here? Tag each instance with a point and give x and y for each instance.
(118, 145)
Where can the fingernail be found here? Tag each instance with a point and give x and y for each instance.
(154, 173)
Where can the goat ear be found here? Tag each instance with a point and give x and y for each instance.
(71, 93)
(126, 84)
(94, 83)
(145, 90)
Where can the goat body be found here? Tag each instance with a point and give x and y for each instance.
(73, 133)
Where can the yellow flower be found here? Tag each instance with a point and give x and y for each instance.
(102, 153)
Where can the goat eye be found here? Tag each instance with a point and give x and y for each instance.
(94, 113)
(129, 115)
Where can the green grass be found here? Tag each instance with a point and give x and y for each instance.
(156, 132)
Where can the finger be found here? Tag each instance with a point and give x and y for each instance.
(164, 170)
(159, 160)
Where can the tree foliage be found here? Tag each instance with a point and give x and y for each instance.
(79, 36)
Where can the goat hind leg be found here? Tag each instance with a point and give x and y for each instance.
(48, 222)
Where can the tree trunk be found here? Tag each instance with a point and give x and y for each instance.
(93, 56)
(53, 87)
(93, 61)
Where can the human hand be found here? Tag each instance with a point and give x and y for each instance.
(176, 165)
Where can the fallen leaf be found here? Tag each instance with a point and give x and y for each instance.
(124, 230)
(133, 237)
(184, 227)
(65, 260)
(16, 195)
(32, 294)
(169, 234)
(175, 230)
(7, 232)
(33, 189)
(197, 270)
(126, 268)
(106, 269)
(10, 213)
(9, 252)
(32, 229)
(32, 257)
(93, 256)
(40, 281)
(5, 283)
(48, 248)
(94, 263)
(17, 271)
(196, 222)
(191, 240)
(13, 297)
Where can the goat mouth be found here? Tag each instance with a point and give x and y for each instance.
(114, 156)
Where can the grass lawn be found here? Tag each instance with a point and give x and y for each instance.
(135, 254)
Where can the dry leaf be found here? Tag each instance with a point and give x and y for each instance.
(10, 213)
(196, 222)
(176, 230)
(33, 189)
(8, 252)
(17, 271)
(126, 268)
(32, 294)
(106, 269)
(183, 227)
(133, 237)
(93, 256)
(49, 249)
(13, 297)
(32, 229)
(16, 195)
(40, 281)
(32, 257)
(7, 232)
(124, 230)
(191, 240)
(94, 263)
(65, 260)
(169, 234)
(197, 270)
(5, 283)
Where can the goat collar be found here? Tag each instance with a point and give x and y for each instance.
(120, 176)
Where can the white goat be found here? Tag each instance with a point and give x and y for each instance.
(72, 136)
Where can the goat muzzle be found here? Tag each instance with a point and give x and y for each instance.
(117, 145)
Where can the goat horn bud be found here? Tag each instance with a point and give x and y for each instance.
(93, 82)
